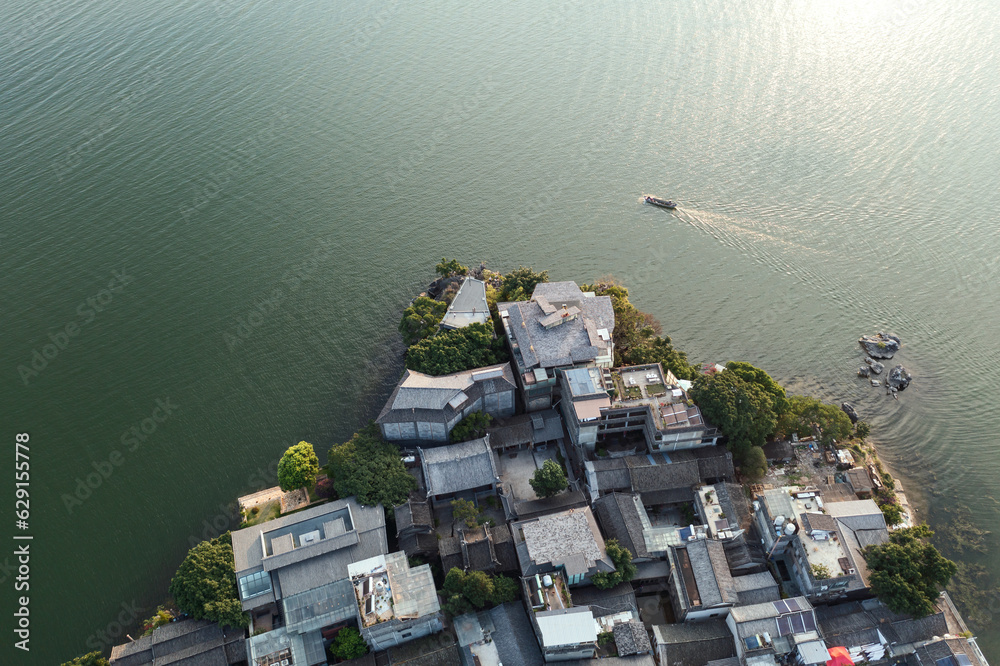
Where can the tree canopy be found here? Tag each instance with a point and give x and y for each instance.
(204, 586)
(472, 426)
(90, 659)
(449, 267)
(637, 334)
(369, 468)
(421, 319)
(454, 351)
(464, 592)
(753, 464)
(907, 572)
(298, 467)
(519, 284)
(624, 568)
(348, 644)
(754, 375)
(743, 411)
(465, 511)
(549, 479)
(804, 412)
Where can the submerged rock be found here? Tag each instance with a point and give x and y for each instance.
(880, 345)
(899, 378)
(864, 371)
(877, 368)
(850, 411)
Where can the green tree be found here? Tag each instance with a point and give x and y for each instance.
(298, 467)
(519, 284)
(907, 572)
(886, 500)
(472, 426)
(369, 468)
(742, 411)
(624, 568)
(862, 430)
(504, 589)
(204, 586)
(348, 644)
(466, 511)
(449, 267)
(467, 348)
(661, 350)
(820, 571)
(421, 319)
(806, 412)
(454, 581)
(549, 479)
(754, 464)
(89, 659)
(478, 588)
(754, 375)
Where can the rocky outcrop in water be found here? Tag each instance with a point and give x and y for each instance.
(864, 371)
(850, 411)
(874, 365)
(899, 378)
(880, 345)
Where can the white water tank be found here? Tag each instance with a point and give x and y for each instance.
(791, 528)
(547, 580)
(778, 522)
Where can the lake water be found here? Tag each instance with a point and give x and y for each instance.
(272, 183)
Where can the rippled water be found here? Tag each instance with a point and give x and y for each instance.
(292, 173)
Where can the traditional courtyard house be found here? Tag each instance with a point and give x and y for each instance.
(423, 409)
(465, 470)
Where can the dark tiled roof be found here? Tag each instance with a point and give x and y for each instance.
(756, 588)
(420, 543)
(649, 478)
(194, 642)
(714, 462)
(859, 480)
(711, 572)
(450, 550)
(477, 550)
(457, 467)
(512, 431)
(631, 638)
(619, 518)
(422, 397)
(618, 599)
(503, 546)
(694, 643)
(514, 638)
(541, 507)
(571, 342)
(413, 516)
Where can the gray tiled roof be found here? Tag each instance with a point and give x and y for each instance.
(450, 550)
(457, 467)
(419, 396)
(572, 499)
(711, 572)
(617, 599)
(572, 342)
(756, 588)
(618, 515)
(419, 543)
(194, 642)
(631, 638)
(693, 643)
(511, 431)
(413, 516)
(477, 550)
(514, 638)
(503, 547)
(570, 539)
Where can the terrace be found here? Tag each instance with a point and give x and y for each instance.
(650, 385)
